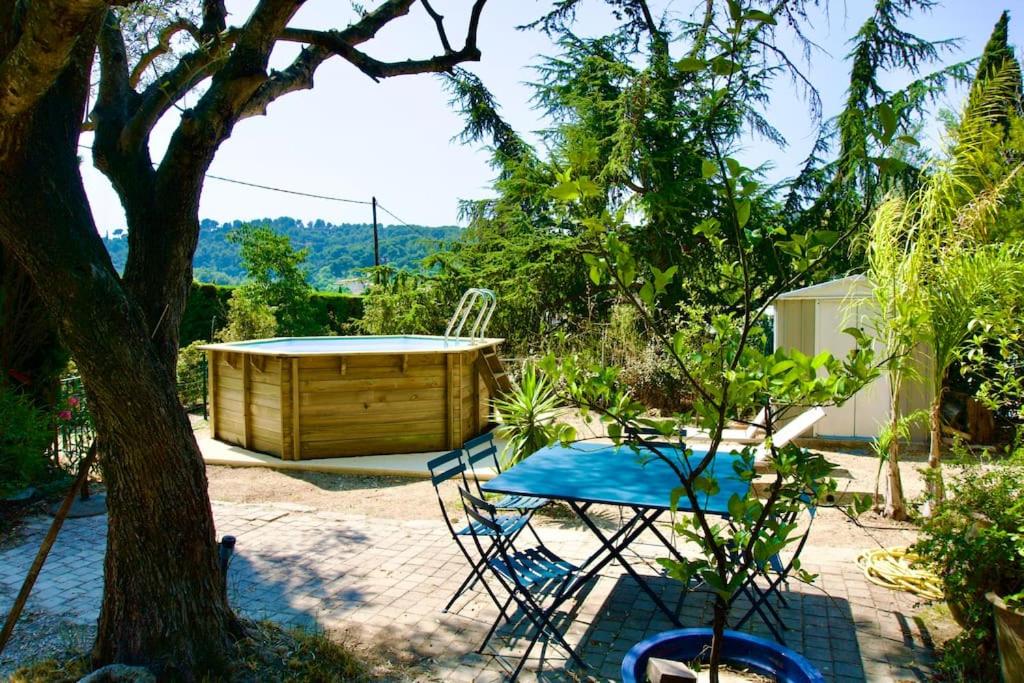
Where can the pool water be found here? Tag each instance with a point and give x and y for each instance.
(342, 345)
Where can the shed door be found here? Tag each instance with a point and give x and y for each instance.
(867, 410)
(831, 317)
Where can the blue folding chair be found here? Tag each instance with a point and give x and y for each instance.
(776, 574)
(527, 575)
(445, 468)
(481, 449)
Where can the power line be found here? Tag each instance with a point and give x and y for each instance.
(298, 193)
(287, 191)
(384, 209)
(271, 188)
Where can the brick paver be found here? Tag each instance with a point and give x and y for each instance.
(382, 583)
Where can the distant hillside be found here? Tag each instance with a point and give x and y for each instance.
(336, 252)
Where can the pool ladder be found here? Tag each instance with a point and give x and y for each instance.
(484, 301)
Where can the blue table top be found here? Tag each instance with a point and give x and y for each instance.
(590, 472)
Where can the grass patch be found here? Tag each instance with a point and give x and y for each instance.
(269, 653)
(272, 652)
(52, 671)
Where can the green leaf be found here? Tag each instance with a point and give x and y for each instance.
(708, 168)
(758, 15)
(887, 117)
(720, 66)
(708, 227)
(743, 211)
(565, 191)
(647, 294)
(690, 64)
(588, 188)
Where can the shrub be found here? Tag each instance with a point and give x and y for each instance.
(528, 416)
(205, 312)
(191, 375)
(973, 541)
(24, 437)
(403, 303)
(247, 319)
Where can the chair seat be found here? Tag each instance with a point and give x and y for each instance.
(509, 524)
(533, 566)
(512, 502)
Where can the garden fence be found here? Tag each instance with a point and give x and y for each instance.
(74, 430)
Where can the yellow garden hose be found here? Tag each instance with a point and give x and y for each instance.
(894, 569)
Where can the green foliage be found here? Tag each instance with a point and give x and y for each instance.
(275, 282)
(207, 309)
(528, 417)
(403, 303)
(337, 252)
(248, 318)
(192, 374)
(206, 312)
(728, 366)
(25, 434)
(973, 541)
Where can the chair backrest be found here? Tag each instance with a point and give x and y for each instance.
(480, 450)
(442, 468)
(481, 516)
(797, 426)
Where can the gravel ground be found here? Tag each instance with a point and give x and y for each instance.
(44, 636)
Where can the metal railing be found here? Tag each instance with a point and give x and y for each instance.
(74, 429)
(481, 299)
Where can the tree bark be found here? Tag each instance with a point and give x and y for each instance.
(936, 487)
(895, 505)
(163, 603)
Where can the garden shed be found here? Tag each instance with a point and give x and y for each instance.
(812, 320)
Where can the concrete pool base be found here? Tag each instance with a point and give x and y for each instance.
(397, 465)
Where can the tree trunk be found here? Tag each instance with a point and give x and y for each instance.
(936, 488)
(163, 603)
(895, 506)
(721, 610)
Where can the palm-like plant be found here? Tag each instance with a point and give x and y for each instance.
(931, 271)
(966, 291)
(895, 258)
(528, 415)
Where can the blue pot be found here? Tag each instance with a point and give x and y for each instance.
(759, 655)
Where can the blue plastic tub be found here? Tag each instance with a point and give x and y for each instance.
(759, 655)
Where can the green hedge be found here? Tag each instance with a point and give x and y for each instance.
(206, 311)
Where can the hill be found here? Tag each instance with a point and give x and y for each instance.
(336, 252)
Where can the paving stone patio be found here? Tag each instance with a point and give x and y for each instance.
(382, 583)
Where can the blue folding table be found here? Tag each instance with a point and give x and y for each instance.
(584, 474)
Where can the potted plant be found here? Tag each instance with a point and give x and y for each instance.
(1009, 619)
(754, 654)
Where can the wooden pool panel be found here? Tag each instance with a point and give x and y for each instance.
(321, 406)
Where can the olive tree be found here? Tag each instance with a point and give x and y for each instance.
(164, 603)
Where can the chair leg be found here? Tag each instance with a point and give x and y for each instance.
(471, 577)
(501, 615)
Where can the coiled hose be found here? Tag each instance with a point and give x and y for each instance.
(894, 568)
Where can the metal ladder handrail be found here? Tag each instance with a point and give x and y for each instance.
(467, 303)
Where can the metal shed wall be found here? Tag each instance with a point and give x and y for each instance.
(812, 319)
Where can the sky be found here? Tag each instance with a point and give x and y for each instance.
(351, 137)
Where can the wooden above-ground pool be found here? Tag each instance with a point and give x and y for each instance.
(321, 397)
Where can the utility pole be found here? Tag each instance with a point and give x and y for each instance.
(376, 242)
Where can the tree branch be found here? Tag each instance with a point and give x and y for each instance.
(215, 20)
(50, 30)
(163, 46)
(340, 43)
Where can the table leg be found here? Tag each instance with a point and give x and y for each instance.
(614, 551)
